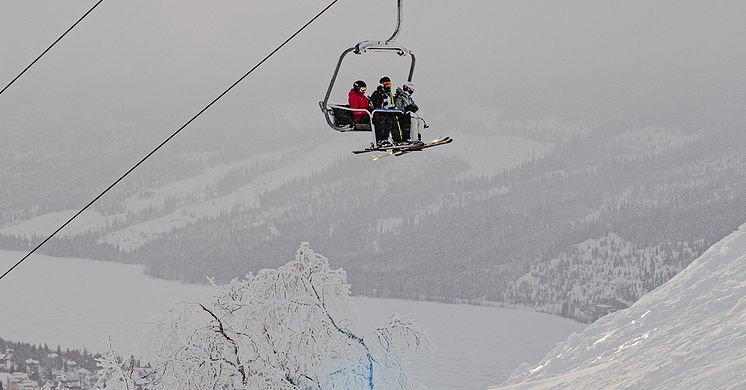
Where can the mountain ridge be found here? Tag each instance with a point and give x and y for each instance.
(688, 333)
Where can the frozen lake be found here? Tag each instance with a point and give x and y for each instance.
(77, 303)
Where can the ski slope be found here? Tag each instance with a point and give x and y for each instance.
(88, 221)
(689, 333)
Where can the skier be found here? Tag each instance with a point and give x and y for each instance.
(382, 97)
(386, 123)
(358, 100)
(404, 101)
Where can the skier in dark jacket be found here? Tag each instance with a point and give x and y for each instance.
(382, 98)
(358, 100)
(385, 123)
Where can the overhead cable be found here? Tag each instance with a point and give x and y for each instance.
(51, 46)
(168, 139)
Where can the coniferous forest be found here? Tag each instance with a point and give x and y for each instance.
(619, 212)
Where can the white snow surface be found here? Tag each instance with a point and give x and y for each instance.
(193, 189)
(246, 197)
(689, 333)
(45, 224)
(490, 155)
(655, 140)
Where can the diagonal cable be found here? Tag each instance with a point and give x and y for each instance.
(51, 46)
(168, 139)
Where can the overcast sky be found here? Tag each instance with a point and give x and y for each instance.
(152, 63)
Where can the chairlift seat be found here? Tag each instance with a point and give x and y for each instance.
(342, 118)
(344, 121)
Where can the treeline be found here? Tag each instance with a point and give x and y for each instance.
(86, 246)
(420, 235)
(600, 276)
(48, 358)
(413, 228)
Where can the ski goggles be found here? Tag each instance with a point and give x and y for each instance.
(363, 89)
(387, 84)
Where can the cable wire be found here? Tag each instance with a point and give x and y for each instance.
(168, 139)
(51, 46)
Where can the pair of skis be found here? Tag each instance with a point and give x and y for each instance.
(400, 150)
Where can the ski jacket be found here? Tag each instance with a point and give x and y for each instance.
(359, 101)
(404, 101)
(382, 98)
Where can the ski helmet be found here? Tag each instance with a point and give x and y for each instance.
(385, 81)
(358, 85)
(408, 87)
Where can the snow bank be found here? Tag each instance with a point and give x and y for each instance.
(688, 334)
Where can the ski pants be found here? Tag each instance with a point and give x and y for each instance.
(386, 123)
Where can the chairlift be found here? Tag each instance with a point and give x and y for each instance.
(339, 116)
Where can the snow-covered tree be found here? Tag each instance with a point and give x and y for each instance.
(116, 373)
(285, 328)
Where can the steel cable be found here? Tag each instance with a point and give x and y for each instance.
(169, 138)
(51, 46)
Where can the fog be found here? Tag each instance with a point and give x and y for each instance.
(150, 65)
(599, 146)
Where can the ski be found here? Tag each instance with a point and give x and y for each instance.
(396, 147)
(401, 150)
(375, 149)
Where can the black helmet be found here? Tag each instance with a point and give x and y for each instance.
(385, 79)
(359, 84)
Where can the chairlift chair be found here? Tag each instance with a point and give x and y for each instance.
(339, 116)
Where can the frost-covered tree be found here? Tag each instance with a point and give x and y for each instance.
(285, 328)
(116, 373)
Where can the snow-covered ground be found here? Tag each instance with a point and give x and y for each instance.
(77, 303)
(491, 155)
(654, 140)
(689, 333)
(45, 224)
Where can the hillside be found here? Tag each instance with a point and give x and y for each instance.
(577, 156)
(513, 223)
(687, 334)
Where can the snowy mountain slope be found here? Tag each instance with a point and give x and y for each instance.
(601, 275)
(299, 166)
(152, 213)
(491, 72)
(689, 333)
(491, 155)
(183, 192)
(88, 221)
(650, 140)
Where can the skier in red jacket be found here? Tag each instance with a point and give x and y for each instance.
(358, 100)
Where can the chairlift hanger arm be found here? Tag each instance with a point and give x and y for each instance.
(389, 44)
(325, 103)
(399, 19)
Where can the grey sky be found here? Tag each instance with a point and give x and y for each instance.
(153, 63)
